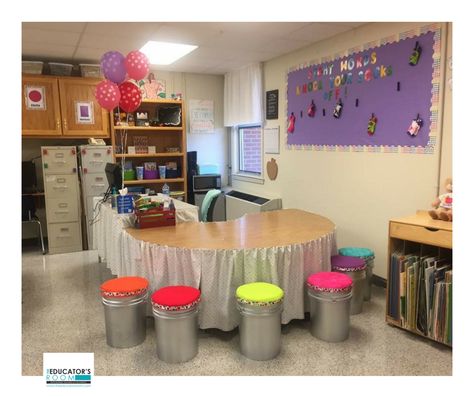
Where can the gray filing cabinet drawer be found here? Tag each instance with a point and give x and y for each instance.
(60, 210)
(64, 235)
(94, 184)
(57, 160)
(61, 186)
(93, 159)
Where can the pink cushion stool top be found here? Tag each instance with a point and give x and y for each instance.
(329, 282)
(347, 263)
(175, 298)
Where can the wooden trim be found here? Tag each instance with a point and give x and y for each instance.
(176, 154)
(141, 129)
(151, 181)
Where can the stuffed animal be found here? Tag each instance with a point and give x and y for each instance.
(444, 204)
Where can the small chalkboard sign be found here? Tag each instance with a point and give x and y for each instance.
(272, 105)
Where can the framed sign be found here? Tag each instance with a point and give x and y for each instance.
(272, 105)
(84, 112)
(35, 98)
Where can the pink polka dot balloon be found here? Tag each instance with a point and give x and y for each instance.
(137, 65)
(107, 94)
(130, 97)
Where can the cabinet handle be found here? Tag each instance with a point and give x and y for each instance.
(98, 185)
(65, 124)
(58, 124)
(431, 229)
(60, 187)
(61, 212)
(64, 236)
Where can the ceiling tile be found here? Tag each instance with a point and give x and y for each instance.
(50, 37)
(77, 27)
(89, 55)
(139, 30)
(44, 51)
(318, 31)
(283, 46)
(184, 33)
(110, 43)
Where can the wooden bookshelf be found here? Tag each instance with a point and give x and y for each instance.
(417, 230)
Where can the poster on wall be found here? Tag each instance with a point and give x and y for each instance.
(201, 116)
(84, 112)
(383, 96)
(35, 98)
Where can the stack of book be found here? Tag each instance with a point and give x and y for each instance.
(420, 294)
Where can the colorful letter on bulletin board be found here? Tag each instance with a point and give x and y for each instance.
(376, 80)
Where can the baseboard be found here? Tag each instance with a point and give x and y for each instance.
(379, 281)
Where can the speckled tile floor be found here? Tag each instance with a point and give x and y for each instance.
(62, 312)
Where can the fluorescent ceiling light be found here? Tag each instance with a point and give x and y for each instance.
(160, 53)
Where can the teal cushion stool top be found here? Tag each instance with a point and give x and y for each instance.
(357, 252)
(260, 294)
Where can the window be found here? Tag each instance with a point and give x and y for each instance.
(250, 149)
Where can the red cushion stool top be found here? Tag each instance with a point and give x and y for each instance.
(123, 287)
(175, 297)
(342, 263)
(329, 282)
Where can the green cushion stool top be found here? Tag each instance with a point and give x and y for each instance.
(357, 252)
(259, 294)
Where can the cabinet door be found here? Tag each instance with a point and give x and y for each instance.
(81, 114)
(40, 106)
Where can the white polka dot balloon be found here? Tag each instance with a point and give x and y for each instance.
(137, 65)
(131, 97)
(107, 94)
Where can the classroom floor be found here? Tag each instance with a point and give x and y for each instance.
(62, 312)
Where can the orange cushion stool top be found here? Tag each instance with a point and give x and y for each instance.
(123, 287)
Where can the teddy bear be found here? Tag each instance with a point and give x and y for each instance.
(443, 205)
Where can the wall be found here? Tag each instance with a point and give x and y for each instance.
(359, 192)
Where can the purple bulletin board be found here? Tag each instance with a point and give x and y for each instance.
(373, 79)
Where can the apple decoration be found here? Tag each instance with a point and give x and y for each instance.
(272, 169)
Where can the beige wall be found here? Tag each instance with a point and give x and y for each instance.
(360, 192)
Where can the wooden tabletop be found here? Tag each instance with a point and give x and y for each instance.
(422, 218)
(259, 230)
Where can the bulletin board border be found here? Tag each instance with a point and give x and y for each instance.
(435, 98)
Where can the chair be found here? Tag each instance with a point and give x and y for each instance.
(208, 204)
(28, 215)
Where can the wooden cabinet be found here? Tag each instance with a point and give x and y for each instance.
(165, 134)
(413, 241)
(61, 107)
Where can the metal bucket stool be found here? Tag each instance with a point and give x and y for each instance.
(355, 269)
(175, 309)
(330, 297)
(260, 306)
(368, 255)
(124, 301)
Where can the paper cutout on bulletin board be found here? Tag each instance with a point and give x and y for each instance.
(366, 82)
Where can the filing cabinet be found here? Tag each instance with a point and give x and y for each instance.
(62, 198)
(92, 159)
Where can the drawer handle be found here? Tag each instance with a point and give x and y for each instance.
(97, 161)
(98, 185)
(61, 212)
(60, 187)
(65, 236)
(432, 229)
(59, 161)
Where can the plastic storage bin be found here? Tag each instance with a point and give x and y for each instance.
(368, 256)
(32, 67)
(124, 301)
(260, 306)
(330, 297)
(60, 69)
(355, 269)
(175, 309)
(90, 70)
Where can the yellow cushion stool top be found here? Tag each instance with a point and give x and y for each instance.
(259, 293)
